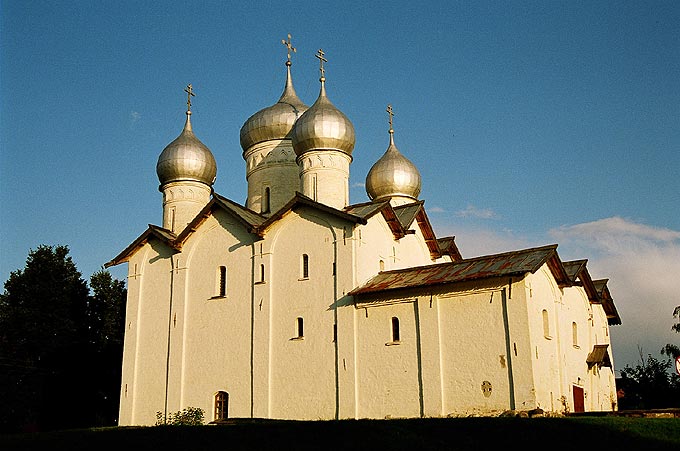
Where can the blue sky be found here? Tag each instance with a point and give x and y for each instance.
(531, 122)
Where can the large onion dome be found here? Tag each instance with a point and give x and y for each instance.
(323, 127)
(186, 158)
(393, 175)
(276, 121)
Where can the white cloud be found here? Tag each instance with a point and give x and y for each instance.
(436, 210)
(476, 213)
(134, 116)
(358, 185)
(643, 265)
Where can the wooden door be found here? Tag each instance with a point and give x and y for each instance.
(579, 402)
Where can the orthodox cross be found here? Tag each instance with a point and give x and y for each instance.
(320, 54)
(190, 93)
(391, 113)
(290, 48)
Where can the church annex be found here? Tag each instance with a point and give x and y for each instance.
(300, 305)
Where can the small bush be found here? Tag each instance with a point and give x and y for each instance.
(190, 416)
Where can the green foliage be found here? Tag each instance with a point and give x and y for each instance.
(190, 416)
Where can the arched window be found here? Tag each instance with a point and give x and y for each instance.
(574, 334)
(381, 264)
(304, 270)
(266, 200)
(546, 324)
(262, 273)
(222, 281)
(300, 326)
(221, 405)
(395, 329)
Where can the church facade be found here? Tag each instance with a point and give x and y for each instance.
(300, 305)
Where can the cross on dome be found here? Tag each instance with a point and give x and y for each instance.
(289, 47)
(190, 93)
(320, 54)
(391, 113)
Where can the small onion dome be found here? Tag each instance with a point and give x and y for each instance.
(323, 127)
(186, 158)
(393, 175)
(276, 121)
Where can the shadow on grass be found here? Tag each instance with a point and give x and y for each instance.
(417, 434)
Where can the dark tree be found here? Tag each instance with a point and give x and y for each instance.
(60, 348)
(670, 349)
(106, 319)
(43, 333)
(649, 385)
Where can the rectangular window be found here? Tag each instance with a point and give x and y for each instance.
(222, 288)
(395, 329)
(574, 333)
(299, 323)
(304, 273)
(546, 324)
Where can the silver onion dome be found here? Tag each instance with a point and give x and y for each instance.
(393, 175)
(323, 126)
(186, 158)
(276, 121)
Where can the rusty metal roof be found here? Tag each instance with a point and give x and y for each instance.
(499, 265)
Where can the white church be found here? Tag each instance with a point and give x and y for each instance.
(301, 305)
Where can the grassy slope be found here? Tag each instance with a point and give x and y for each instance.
(454, 433)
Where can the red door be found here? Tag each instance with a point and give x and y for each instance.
(579, 403)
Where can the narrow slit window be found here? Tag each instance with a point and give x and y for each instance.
(221, 405)
(300, 326)
(262, 273)
(305, 266)
(381, 265)
(266, 200)
(574, 334)
(222, 281)
(546, 324)
(395, 329)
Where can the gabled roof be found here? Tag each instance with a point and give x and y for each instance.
(367, 209)
(248, 218)
(599, 356)
(400, 219)
(596, 290)
(153, 232)
(300, 200)
(605, 298)
(508, 264)
(572, 268)
(407, 213)
(447, 246)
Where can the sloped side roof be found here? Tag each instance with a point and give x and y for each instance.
(499, 265)
(159, 233)
(605, 298)
(599, 356)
